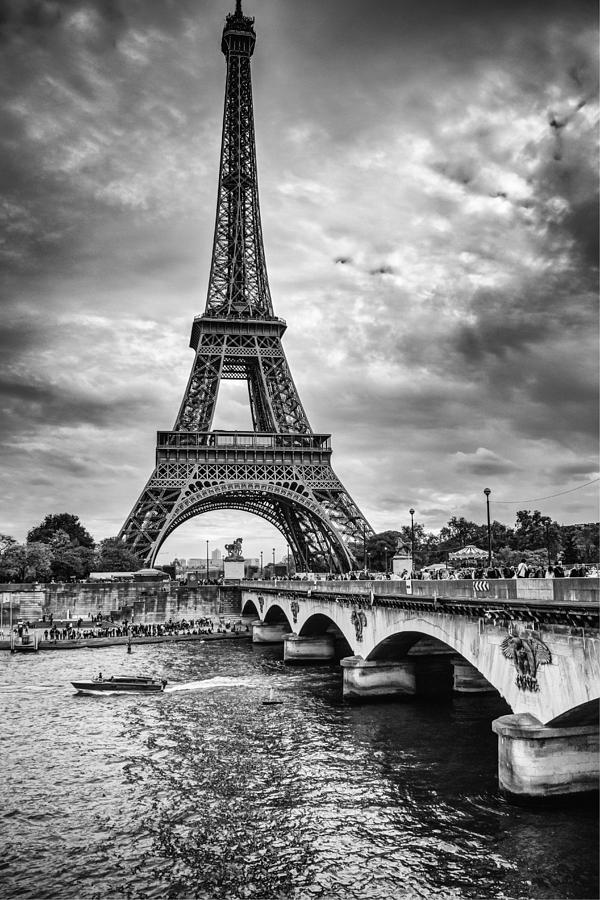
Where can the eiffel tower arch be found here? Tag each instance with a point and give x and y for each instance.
(281, 470)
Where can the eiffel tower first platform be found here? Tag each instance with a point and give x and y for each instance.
(281, 470)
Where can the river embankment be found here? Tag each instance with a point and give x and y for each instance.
(100, 642)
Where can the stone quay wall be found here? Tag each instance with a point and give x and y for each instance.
(140, 602)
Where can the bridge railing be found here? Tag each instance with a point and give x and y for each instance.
(561, 591)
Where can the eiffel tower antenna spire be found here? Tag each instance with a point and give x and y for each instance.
(280, 470)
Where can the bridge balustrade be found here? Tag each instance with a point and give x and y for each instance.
(534, 591)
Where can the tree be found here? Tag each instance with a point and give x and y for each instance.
(38, 561)
(429, 550)
(507, 556)
(580, 542)
(459, 532)
(6, 540)
(65, 522)
(69, 560)
(12, 562)
(534, 531)
(25, 562)
(502, 535)
(381, 547)
(115, 556)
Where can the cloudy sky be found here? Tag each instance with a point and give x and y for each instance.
(428, 193)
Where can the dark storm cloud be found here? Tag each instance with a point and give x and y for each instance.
(19, 15)
(18, 335)
(40, 404)
(582, 470)
(483, 462)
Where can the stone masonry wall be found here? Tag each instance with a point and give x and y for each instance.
(152, 602)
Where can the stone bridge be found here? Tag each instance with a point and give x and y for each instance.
(535, 641)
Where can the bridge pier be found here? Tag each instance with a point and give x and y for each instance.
(537, 761)
(468, 679)
(308, 649)
(363, 679)
(269, 634)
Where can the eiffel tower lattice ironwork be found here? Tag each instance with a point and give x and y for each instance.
(281, 470)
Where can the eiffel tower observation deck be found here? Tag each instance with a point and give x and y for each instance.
(281, 470)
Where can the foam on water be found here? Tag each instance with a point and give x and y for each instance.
(219, 681)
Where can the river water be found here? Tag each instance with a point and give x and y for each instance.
(203, 792)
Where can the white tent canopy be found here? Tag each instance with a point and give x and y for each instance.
(467, 553)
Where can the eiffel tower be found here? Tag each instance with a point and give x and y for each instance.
(281, 470)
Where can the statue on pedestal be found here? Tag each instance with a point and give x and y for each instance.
(234, 551)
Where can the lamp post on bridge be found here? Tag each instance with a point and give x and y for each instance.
(207, 561)
(273, 562)
(412, 538)
(288, 561)
(487, 493)
(261, 565)
(365, 548)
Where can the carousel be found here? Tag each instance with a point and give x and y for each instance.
(468, 556)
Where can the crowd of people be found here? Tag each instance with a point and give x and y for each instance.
(441, 573)
(521, 570)
(104, 629)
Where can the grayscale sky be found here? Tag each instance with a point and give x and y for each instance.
(429, 201)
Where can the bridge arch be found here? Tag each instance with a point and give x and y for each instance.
(585, 714)
(320, 623)
(249, 608)
(397, 644)
(275, 615)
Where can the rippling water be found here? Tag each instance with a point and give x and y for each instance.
(203, 792)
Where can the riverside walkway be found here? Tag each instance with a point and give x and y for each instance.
(98, 643)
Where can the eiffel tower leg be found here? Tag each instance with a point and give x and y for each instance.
(198, 406)
(147, 519)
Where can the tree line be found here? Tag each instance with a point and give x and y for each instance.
(60, 548)
(537, 538)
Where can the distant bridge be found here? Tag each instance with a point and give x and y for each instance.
(535, 641)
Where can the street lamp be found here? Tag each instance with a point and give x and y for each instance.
(273, 562)
(365, 548)
(487, 493)
(261, 564)
(288, 561)
(412, 538)
(207, 560)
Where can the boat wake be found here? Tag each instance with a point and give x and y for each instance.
(219, 681)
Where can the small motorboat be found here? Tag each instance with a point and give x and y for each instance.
(121, 684)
